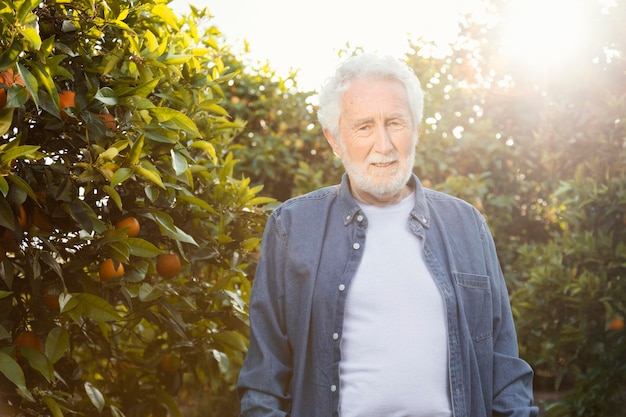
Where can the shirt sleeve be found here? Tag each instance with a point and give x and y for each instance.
(512, 379)
(263, 385)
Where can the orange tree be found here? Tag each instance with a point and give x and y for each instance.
(281, 146)
(111, 115)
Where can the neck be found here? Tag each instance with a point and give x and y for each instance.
(381, 200)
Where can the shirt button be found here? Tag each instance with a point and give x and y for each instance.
(333, 388)
(356, 246)
(359, 218)
(342, 287)
(335, 336)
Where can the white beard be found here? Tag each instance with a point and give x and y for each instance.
(379, 186)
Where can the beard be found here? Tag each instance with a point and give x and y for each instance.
(383, 184)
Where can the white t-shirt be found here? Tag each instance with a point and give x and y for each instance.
(394, 351)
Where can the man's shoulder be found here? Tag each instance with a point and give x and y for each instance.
(440, 196)
(309, 201)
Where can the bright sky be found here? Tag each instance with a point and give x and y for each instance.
(307, 35)
(542, 35)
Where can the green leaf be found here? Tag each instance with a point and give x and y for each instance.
(4, 334)
(142, 248)
(151, 175)
(17, 152)
(38, 362)
(12, 370)
(4, 186)
(6, 118)
(24, 10)
(142, 90)
(198, 202)
(32, 36)
(95, 396)
(10, 55)
(115, 196)
(44, 78)
(94, 307)
(57, 343)
(135, 152)
(23, 185)
(176, 118)
(106, 96)
(179, 162)
(120, 176)
(53, 406)
(148, 293)
(7, 219)
(207, 147)
(30, 81)
(168, 228)
(167, 15)
(231, 339)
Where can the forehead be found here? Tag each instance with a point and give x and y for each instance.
(374, 95)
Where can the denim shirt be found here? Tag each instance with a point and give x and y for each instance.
(311, 248)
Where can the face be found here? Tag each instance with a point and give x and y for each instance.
(377, 139)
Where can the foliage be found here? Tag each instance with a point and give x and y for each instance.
(142, 133)
(281, 146)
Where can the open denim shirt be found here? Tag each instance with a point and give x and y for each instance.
(311, 249)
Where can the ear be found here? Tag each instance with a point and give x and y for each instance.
(333, 142)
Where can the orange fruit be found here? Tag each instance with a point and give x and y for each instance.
(107, 270)
(616, 324)
(66, 99)
(170, 363)
(28, 338)
(168, 265)
(109, 120)
(41, 221)
(22, 217)
(131, 223)
(51, 297)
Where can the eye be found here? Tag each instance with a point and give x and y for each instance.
(396, 123)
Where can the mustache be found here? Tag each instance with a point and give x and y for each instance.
(378, 159)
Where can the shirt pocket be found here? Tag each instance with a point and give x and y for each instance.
(476, 306)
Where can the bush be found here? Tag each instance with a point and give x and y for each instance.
(114, 110)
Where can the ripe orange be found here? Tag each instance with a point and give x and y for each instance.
(66, 99)
(107, 270)
(616, 324)
(41, 221)
(168, 265)
(51, 294)
(22, 217)
(109, 120)
(131, 223)
(170, 363)
(28, 338)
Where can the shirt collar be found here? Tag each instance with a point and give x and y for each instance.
(350, 207)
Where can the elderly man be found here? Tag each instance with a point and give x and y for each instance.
(377, 297)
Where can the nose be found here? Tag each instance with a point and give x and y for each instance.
(382, 140)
